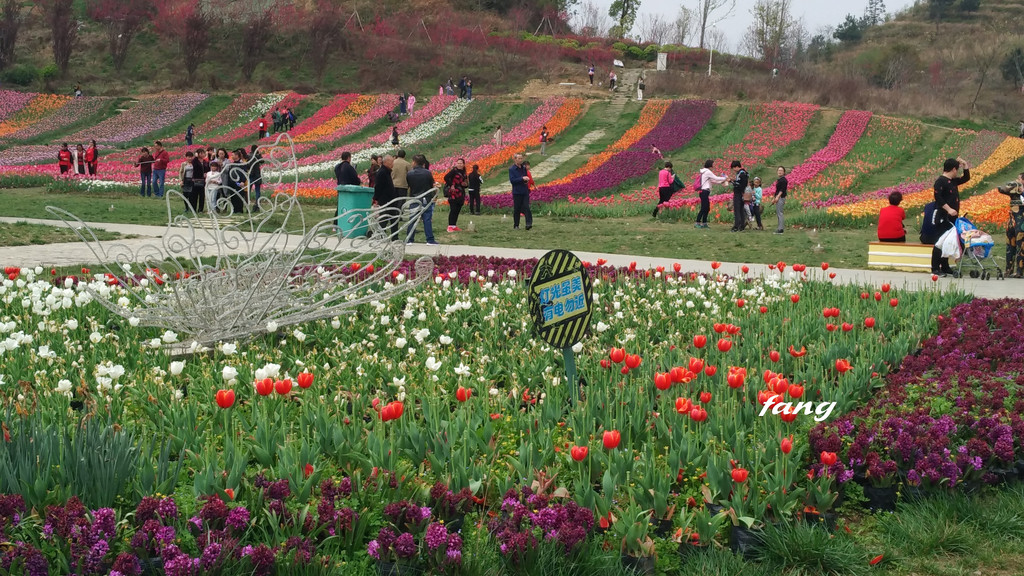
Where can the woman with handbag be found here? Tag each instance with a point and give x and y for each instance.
(1014, 228)
(455, 182)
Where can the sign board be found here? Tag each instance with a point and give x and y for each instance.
(662, 60)
(560, 298)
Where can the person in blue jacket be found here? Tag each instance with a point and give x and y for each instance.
(519, 179)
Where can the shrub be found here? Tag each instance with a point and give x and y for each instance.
(49, 73)
(22, 75)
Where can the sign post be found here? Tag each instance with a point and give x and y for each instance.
(560, 301)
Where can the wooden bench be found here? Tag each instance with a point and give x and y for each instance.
(900, 256)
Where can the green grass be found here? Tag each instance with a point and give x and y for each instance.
(595, 118)
(25, 234)
(821, 128)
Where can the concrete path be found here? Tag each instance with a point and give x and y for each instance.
(76, 253)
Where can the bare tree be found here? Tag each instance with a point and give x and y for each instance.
(767, 36)
(655, 29)
(709, 12)
(717, 41)
(324, 32)
(63, 30)
(10, 23)
(188, 23)
(590, 20)
(256, 18)
(123, 19)
(683, 26)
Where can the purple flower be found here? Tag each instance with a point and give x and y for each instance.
(436, 536)
(405, 546)
(167, 508)
(210, 555)
(373, 549)
(238, 518)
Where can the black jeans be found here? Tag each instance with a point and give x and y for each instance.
(456, 207)
(521, 205)
(739, 218)
(199, 193)
(940, 264)
(756, 211)
(474, 201)
(705, 207)
(664, 195)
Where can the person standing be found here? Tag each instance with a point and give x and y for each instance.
(755, 206)
(497, 136)
(346, 175)
(200, 166)
(462, 87)
(291, 119)
(611, 80)
(398, 173)
(640, 89)
(1014, 228)
(665, 177)
(277, 120)
(890, 220)
(394, 135)
(947, 206)
(518, 177)
(1021, 127)
(455, 190)
(255, 174)
(212, 185)
(145, 166)
(590, 73)
(402, 105)
(411, 102)
(779, 199)
(190, 133)
(160, 161)
(186, 174)
(64, 158)
(92, 158)
(739, 186)
(707, 180)
(543, 140)
(233, 180)
(79, 159)
(371, 172)
(424, 192)
(475, 183)
(657, 152)
(469, 88)
(384, 195)
(261, 131)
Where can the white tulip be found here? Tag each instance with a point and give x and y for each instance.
(228, 349)
(177, 367)
(228, 373)
(432, 364)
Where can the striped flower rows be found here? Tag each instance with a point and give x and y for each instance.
(360, 114)
(11, 102)
(251, 116)
(148, 114)
(40, 107)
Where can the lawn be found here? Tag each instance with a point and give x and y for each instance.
(25, 234)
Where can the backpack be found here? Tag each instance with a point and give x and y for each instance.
(697, 183)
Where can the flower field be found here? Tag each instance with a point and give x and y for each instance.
(11, 102)
(420, 428)
(145, 116)
(76, 110)
(36, 109)
(242, 110)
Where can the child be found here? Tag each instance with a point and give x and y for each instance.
(748, 201)
(475, 180)
(213, 184)
(529, 177)
(756, 209)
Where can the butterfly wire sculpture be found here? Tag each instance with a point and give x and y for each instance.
(233, 275)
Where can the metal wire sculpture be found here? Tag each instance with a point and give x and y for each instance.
(231, 277)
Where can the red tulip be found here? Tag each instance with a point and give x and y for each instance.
(662, 381)
(764, 309)
(779, 385)
(774, 356)
(842, 365)
(710, 370)
(374, 403)
(795, 298)
(740, 302)
(225, 398)
(387, 413)
(885, 288)
(847, 326)
(732, 329)
(676, 267)
(611, 439)
(878, 296)
(739, 475)
(724, 345)
(828, 458)
(305, 380)
(824, 266)
(696, 365)
(307, 470)
(763, 396)
(624, 371)
(578, 453)
(788, 415)
(786, 445)
(705, 397)
(698, 414)
(265, 387)
(601, 261)
(831, 275)
(793, 352)
(735, 379)
(799, 267)
(683, 405)
(230, 492)
(632, 265)
(935, 278)
(617, 355)
(399, 408)
(660, 268)
(781, 266)
(795, 390)
(894, 302)
(633, 361)
(463, 394)
(869, 322)
(283, 386)
(830, 327)
(719, 327)
(864, 296)
(716, 265)
(745, 269)
(606, 363)
(355, 266)
(699, 341)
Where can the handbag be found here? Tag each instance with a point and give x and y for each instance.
(447, 190)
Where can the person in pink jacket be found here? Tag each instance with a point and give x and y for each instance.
(665, 178)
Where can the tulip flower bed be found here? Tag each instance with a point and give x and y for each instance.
(11, 102)
(77, 110)
(669, 131)
(951, 416)
(251, 117)
(363, 113)
(341, 111)
(40, 107)
(336, 107)
(434, 423)
(241, 110)
(145, 116)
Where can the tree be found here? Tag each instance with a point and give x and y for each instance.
(938, 9)
(655, 29)
(767, 35)
(256, 18)
(10, 23)
(969, 5)
(850, 31)
(123, 19)
(821, 46)
(187, 23)
(63, 25)
(590, 20)
(624, 13)
(325, 33)
(1013, 67)
(706, 10)
(874, 14)
(683, 26)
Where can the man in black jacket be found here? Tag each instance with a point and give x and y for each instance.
(384, 194)
(200, 166)
(947, 206)
(739, 186)
(346, 175)
(423, 190)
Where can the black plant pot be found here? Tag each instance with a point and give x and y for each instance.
(827, 520)
(640, 566)
(394, 569)
(689, 550)
(881, 498)
(663, 528)
(152, 566)
(745, 541)
(713, 509)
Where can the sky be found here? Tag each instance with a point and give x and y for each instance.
(816, 13)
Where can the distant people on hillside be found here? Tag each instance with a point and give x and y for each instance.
(779, 199)
(890, 220)
(497, 136)
(291, 119)
(469, 88)
(402, 105)
(92, 158)
(160, 161)
(611, 80)
(665, 178)
(145, 166)
(78, 90)
(261, 128)
(640, 89)
(64, 158)
(543, 140)
(462, 87)
(475, 183)
(590, 73)
(1021, 127)
(190, 133)
(449, 88)
(79, 159)
(656, 152)
(394, 135)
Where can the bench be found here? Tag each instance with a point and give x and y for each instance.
(900, 256)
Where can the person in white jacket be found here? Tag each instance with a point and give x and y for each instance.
(213, 183)
(707, 180)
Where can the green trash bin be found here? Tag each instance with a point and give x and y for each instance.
(354, 198)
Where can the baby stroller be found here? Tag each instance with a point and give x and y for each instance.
(977, 251)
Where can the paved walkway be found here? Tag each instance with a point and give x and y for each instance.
(77, 253)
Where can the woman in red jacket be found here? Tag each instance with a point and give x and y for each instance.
(92, 158)
(890, 220)
(64, 158)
